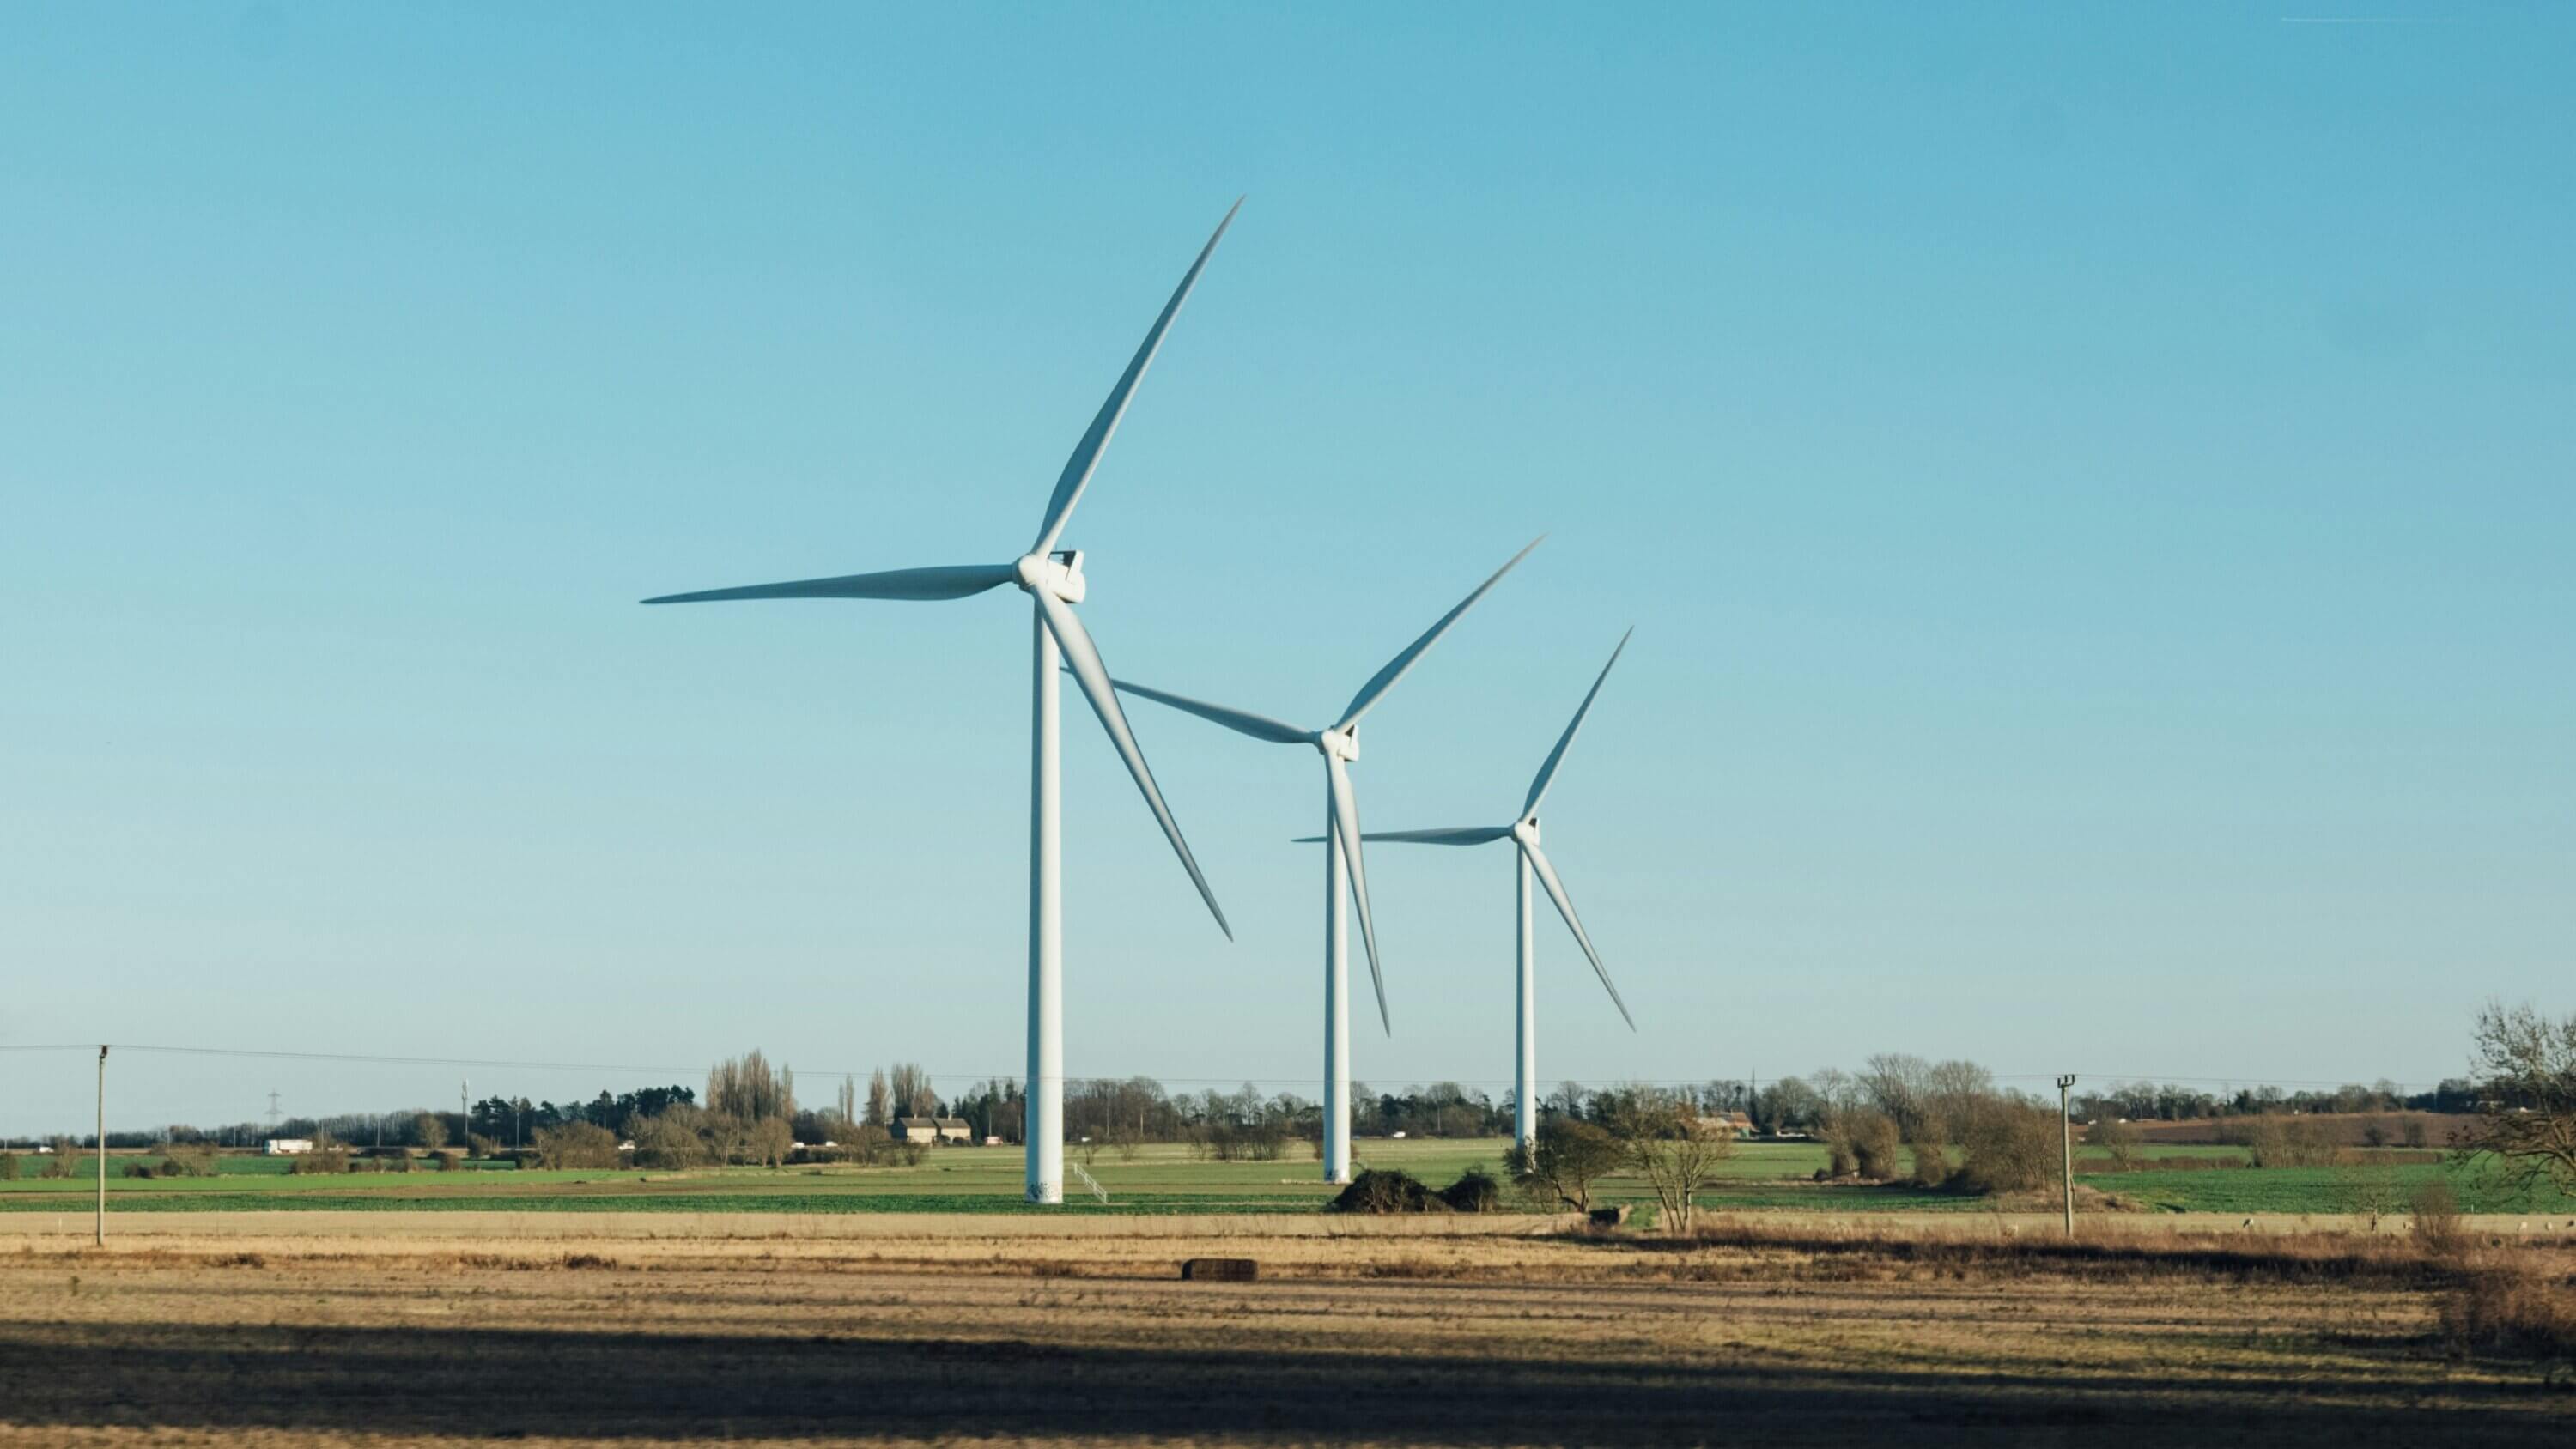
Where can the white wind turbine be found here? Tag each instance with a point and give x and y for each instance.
(1052, 579)
(1523, 833)
(1339, 744)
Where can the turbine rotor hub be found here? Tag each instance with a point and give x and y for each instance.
(1059, 573)
(1526, 831)
(1342, 744)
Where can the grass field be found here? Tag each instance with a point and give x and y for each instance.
(1168, 1179)
(1165, 1179)
(1788, 1331)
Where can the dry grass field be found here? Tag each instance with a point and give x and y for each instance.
(391, 1328)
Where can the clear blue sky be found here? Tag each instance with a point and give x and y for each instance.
(2092, 484)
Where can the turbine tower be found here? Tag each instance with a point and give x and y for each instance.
(1523, 833)
(1053, 580)
(1339, 744)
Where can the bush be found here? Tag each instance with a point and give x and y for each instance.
(8, 1167)
(194, 1159)
(65, 1162)
(1558, 1168)
(448, 1160)
(1387, 1190)
(1931, 1158)
(1869, 1139)
(2436, 1228)
(1475, 1191)
(2011, 1146)
(321, 1161)
(2510, 1310)
(2273, 1140)
(2118, 1138)
(577, 1144)
(478, 1145)
(669, 1140)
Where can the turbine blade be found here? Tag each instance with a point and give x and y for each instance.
(1242, 722)
(1086, 454)
(955, 582)
(1346, 825)
(1452, 835)
(1385, 679)
(1565, 907)
(1093, 676)
(1555, 757)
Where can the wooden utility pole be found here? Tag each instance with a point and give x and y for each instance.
(2066, 1150)
(101, 1224)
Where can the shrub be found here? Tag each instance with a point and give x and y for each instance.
(449, 1160)
(193, 1159)
(8, 1167)
(1870, 1137)
(321, 1161)
(1475, 1191)
(1387, 1190)
(2436, 1228)
(478, 1145)
(2011, 1146)
(669, 1140)
(770, 1140)
(577, 1144)
(2510, 1310)
(1930, 1156)
(65, 1162)
(1558, 1167)
(2273, 1140)
(2119, 1138)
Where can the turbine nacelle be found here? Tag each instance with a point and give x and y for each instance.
(1340, 743)
(1058, 573)
(1526, 832)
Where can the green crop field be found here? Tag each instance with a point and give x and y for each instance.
(1169, 1179)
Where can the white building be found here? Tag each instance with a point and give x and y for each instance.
(287, 1146)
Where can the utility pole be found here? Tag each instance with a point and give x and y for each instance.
(102, 1147)
(2066, 1149)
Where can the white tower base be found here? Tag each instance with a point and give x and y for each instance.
(1043, 1122)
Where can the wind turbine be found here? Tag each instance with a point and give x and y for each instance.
(1339, 744)
(1052, 578)
(1523, 833)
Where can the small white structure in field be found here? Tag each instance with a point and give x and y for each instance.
(287, 1146)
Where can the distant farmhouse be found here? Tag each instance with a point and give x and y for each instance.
(933, 1129)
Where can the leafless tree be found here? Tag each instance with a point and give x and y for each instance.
(1672, 1146)
(2526, 1065)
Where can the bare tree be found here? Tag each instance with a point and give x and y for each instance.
(847, 1104)
(749, 1088)
(769, 1141)
(431, 1129)
(1672, 1146)
(880, 1102)
(1900, 1085)
(911, 1090)
(2526, 1064)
